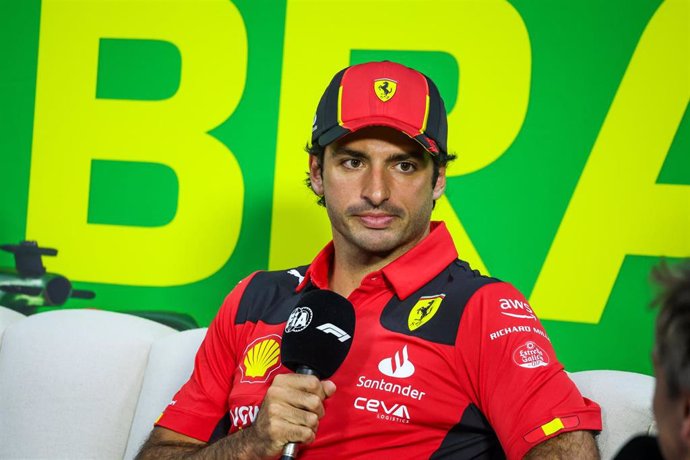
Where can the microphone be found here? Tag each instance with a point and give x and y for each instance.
(317, 338)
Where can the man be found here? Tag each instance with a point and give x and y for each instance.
(445, 363)
(671, 358)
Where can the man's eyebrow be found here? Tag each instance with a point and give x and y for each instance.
(402, 156)
(343, 151)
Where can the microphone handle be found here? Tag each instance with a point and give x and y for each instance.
(290, 450)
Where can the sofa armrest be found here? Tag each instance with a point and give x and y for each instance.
(70, 382)
(170, 364)
(626, 405)
(7, 317)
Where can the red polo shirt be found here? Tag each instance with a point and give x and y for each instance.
(444, 363)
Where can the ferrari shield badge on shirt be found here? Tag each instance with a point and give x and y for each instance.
(425, 309)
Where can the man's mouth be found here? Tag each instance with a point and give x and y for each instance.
(375, 220)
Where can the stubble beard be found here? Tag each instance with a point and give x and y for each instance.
(402, 235)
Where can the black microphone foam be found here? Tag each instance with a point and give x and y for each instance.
(318, 334)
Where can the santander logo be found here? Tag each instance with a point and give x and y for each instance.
(398, 366)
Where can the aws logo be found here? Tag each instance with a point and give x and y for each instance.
(425, 309)
(516, 309)
(385, 89)
(261, 358)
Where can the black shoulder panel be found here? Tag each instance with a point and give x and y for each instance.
(472, 438)
(457, 283)
(270, 296)
(222, 429)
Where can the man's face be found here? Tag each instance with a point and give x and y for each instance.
(670, 418)
(378, 191)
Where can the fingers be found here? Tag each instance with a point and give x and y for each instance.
(283, 423)
(303, 392)
(291, 410)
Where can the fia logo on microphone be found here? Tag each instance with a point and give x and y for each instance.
(299, 319)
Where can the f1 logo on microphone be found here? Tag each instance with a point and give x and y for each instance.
(329, 328)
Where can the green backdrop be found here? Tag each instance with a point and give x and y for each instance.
(159, 146)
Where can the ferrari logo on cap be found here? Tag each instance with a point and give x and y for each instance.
(425, 308)
(385, 89)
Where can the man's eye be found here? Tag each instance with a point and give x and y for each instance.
(406, 166)
(352, 163)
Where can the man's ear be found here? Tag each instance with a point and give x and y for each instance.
(440, 185)
(685, 423)
(315, 175)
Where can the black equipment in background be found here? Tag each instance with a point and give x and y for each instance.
(28, 286)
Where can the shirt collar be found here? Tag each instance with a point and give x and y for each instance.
(407, 273)
(320, 267)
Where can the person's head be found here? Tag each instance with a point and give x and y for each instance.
(671, 358)
(378, 155)
(382, 94)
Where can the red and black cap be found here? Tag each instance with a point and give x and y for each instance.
(382, 94)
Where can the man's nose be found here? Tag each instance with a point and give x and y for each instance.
(376, 188)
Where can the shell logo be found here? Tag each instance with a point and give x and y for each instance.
(261, 359)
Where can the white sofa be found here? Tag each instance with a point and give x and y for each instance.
(80, 384)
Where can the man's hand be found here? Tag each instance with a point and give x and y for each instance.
(290, 412)
(572, 445)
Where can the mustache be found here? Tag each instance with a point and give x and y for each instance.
(384, 207)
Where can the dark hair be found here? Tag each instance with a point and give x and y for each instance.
(672, 347)
(318, 152)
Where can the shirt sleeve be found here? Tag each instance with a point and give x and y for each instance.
(202, 402)
(516, 380)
